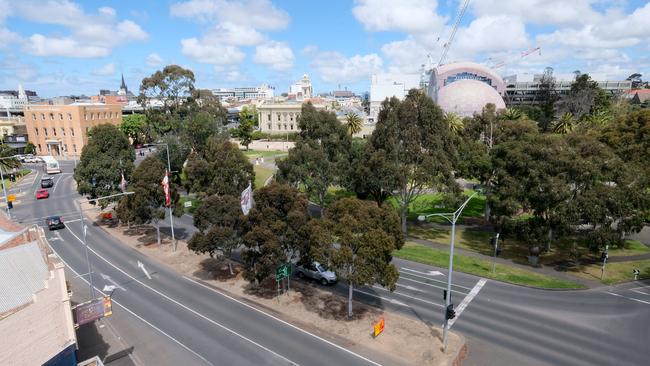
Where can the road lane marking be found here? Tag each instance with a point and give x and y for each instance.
(430, 273)
(132, 313)
(629, 298)
(56, 184)
(479, 285)
(109, 279)
(409, 296)
(186, 307)
(640, 292)
(432, 285)
(283, 322)
(393, 301)
(434, 280)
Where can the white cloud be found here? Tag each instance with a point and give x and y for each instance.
(106, 70)
(235, 34)
(90, 35)
(406, 56)
(335, 67)
(154, 60)
(489, 34)
(411, 16)
(636, 24)
(555, 12)
(14, 70)
(275, 55)
(257, 14)
(215, 54)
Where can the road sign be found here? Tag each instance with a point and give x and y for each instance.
(93, 310)
(187, 204)
(379, 327)
(11, 197)
(283, 271)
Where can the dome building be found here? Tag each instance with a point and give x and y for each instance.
(465, 88)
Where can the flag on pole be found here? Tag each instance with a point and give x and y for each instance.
(247, 199)
(123, 183)
(165, 184)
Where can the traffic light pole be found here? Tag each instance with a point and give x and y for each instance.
(494, 259)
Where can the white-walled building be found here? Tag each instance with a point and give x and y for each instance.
(9, 101)
(301, 90)
(384, 86)
(245, 93)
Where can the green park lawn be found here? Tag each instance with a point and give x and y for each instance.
(631, 247)
(440, 258)
(252, 154)
(615, 272)
(261, 175)
(430, 203)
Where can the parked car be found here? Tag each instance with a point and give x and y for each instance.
(54, 223)
(42, 193)
(317, 272)
(47, 182)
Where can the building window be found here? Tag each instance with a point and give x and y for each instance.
(54, 131)
(61, 116)
(43, 116)
(45, 129)
(62, 131)
(104, 115)
(70, 116)
(65, 147)
(291, 117)
(36, 130)
(291, 127)
(39, 148)
(269, 117)
(48, 148)
(34, 116)
(74, 147)
(269, 126)
(278, 116)
(52, 116)
(92, 115)
(71, 131)
(285, 126)
(86, 116)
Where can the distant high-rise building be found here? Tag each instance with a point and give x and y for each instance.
(384, 86)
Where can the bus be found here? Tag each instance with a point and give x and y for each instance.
(50, 165)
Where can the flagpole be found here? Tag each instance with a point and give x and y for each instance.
(171, 215)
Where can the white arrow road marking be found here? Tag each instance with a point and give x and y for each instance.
(108, 288)
(467, 300)
(108, 278)
(410, 288)
(430, 273)
(141, 266)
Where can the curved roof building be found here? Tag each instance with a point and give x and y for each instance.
(466, 87)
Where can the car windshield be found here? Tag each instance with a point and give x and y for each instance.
(320, 268)
(54, 220)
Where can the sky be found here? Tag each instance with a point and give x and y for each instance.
(63, 47)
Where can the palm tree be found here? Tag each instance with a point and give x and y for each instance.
(5, 152)
(455, 122)
(512, 114)
(564, 124)
(355, 124)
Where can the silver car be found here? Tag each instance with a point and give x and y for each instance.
(317, 272)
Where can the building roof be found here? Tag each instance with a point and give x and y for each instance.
(23, 272)
(466, 97)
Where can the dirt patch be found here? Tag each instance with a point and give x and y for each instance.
(307, 305)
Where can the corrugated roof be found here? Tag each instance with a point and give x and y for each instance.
(23, 272)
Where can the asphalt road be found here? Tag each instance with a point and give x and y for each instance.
(208, 327)
(504, 324)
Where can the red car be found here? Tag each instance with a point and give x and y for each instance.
(42, 193)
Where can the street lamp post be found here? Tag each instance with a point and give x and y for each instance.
(171, 215)
(454, 217)
(83, 228)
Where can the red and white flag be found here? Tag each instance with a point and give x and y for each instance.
(165, 184)
(123, 183)
(247, 199)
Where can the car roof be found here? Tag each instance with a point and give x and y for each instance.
(47, 178)
(54, 218)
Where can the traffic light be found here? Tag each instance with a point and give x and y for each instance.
(10, 205)
(450, 313)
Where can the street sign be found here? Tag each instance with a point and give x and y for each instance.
(187, 204)
(379, 327)
(11, 197)
(93, 310)
(283, 271)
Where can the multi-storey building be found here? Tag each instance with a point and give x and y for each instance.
(280, 118)
(244, 93)
(62, 130)
(301, 90)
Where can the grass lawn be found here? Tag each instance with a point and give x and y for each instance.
(615, 272)
(433, 203)
(479, 267)
(632, 247)
(252, 154)
(261, 175)
(195, 203)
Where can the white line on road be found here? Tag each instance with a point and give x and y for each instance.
(479, 285)
(396, 302)
(283, 322)
(109, 279)
(186, 307)
(629, 298)
(436, 286)
(640, 292)
(409, 296)
(134, 314)
(430, 273)
(56, 184)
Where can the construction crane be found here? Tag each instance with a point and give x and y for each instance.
(447, 45)
(521, 56)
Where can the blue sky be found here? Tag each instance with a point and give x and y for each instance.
(59, 47)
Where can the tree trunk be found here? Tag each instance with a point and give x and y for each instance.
(350, 299)
(548, 240)
(230, 267)
(158, 231)
(402, 215)
(321, 201)
(487, 211)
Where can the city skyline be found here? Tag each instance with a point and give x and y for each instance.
(62, 47)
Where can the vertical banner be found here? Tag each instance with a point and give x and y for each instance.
(165, 184)
(247, 199)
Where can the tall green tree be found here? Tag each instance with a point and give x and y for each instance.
(548, 97)
(220, 222)
(198, 128)
(321, 150)
(147, 204)
(134, 126)
(414, 141)
(30, 148)
(203, 100)
(584, 97)
(221, 169)
(454, 121)
(354, 123)
(106, 157)
(359, 238)
(247, 121)
(277, 230)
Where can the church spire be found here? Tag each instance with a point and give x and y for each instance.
(123, 86)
